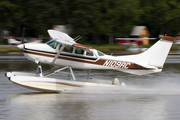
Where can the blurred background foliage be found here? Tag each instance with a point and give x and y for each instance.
(97, 21)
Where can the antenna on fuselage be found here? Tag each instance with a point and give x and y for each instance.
(77, 38)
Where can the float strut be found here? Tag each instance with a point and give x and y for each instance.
(67, 67)
(89, 71)
(39, 69)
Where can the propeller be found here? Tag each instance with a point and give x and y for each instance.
(21, 46)
(23, 33)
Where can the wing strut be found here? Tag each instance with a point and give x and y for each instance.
(58, 53)
(39, 69)
(89, 71)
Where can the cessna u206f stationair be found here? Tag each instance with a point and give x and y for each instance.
(62, 50)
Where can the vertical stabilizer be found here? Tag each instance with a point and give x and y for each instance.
(152, 60)
(157, 54)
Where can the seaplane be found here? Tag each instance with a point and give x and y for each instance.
(132, 41)
(176, 40)
(13, 41)
(134, 44)
(65, 53)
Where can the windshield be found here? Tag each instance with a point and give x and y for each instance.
(100, 53)
(52, 43)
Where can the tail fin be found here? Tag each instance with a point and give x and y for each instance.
(154, 57)
(157, 54)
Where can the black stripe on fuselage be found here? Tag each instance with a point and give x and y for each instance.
(40, 51)
(62, 54)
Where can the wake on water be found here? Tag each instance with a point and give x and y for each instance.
(158, 89)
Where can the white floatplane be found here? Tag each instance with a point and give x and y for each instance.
(63, 50)
(12, 41)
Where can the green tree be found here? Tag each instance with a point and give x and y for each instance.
(154, 15)
(105, 17)
(99, 20)
(172, 18)
(123, 15)
(7, 9)
(84, 17)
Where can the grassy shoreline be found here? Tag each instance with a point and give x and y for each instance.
(6, 50)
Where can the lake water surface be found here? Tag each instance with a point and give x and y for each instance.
(150, 97)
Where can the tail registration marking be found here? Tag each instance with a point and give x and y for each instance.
(116, 64)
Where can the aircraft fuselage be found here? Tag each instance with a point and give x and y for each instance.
(78, 58)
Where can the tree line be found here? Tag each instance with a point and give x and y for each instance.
(98, 21)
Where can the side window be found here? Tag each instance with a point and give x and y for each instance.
(79, 51)
(89, 53)
(68, 49)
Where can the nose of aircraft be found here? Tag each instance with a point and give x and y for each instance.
(21, 46)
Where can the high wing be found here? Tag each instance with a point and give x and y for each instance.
(64, 39)
(61, 37)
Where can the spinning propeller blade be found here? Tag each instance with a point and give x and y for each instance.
(23, 33)
(21, 46)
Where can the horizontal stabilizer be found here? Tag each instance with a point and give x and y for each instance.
(146, 66)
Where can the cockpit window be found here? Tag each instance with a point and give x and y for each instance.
(52, 43)
(89, 53)
(68, 49)
(79, 51)
(100, 53)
